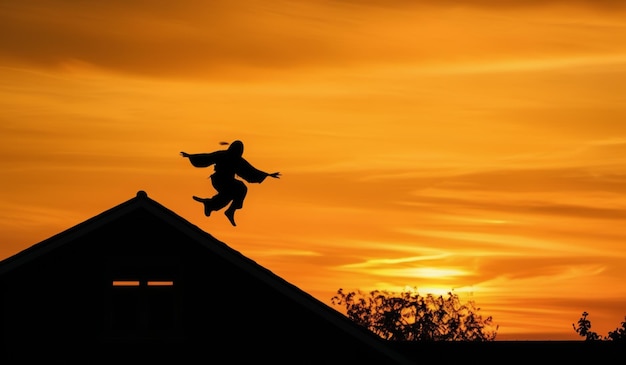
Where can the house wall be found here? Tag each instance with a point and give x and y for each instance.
(64, 300)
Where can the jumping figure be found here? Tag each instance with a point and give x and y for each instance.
(227, 163)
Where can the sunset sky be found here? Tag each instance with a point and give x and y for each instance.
(477, 146)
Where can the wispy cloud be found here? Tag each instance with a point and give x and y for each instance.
(225, 38)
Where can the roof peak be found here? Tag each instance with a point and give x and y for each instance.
(142, 194)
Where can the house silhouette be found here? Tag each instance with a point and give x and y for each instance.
(139, 283)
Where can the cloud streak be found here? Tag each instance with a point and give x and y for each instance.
(217, 38)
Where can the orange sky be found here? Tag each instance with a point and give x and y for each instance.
(467, 145)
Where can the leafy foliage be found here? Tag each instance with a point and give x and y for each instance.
(584, 329)
(409, 316)
(619, 334)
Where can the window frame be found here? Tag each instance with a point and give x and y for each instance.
(149, 288)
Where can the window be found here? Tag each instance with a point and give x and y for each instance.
(143, 300)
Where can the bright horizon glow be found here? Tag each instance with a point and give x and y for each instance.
(470, 146)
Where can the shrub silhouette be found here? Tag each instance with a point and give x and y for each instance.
(409, 316)
(619, 334)
(584, 329)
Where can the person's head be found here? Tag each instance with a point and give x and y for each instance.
(236, 148)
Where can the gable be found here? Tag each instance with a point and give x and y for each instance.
(138, 271)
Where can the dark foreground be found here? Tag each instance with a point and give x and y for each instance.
(430, 353)
(514, 352)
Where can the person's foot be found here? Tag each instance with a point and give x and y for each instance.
(205, 202)
(230, 214)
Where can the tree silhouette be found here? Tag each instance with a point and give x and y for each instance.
(619, 334)
(584, 329)
(409, 316)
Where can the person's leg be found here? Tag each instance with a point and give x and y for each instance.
(238, 191)
(219, 200)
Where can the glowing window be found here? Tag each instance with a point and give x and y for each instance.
(160, 283)
(144, 308)
(125, 282)
(140, 283)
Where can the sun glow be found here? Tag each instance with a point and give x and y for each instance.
(423, 273)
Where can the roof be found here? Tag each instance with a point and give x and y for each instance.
(142, 201)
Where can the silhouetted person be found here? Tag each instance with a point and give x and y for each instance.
(227, 163)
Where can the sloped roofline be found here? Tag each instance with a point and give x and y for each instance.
(142, 201)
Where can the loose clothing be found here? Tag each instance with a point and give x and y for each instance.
(226, 167)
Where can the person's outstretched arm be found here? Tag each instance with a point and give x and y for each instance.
(200, 159)
(251, 174)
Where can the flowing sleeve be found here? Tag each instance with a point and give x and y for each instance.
(202, 159)
(249, 173)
